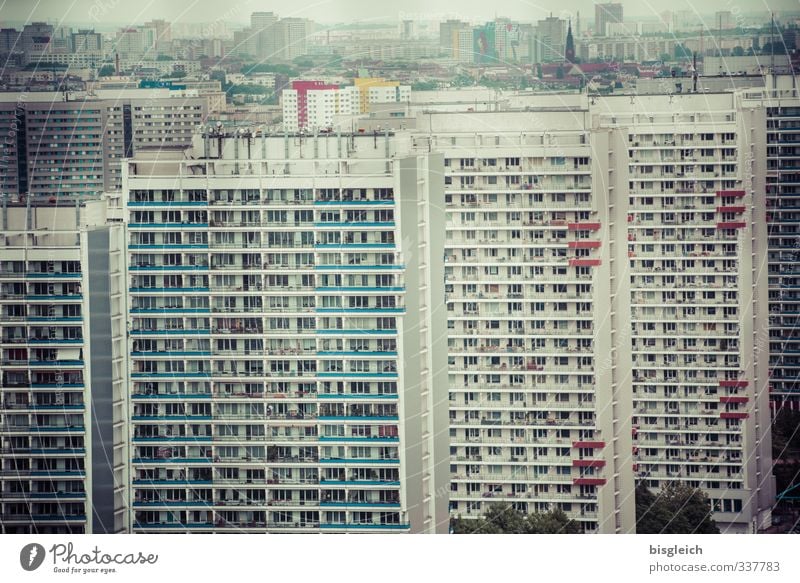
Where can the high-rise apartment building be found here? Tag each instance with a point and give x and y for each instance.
(550, 40)
(597, 297)
(685, 192)
(533, 398)
(605, 14)
(293, 34)
(287, 337)
(62, 372)
(87, 41)
(781, 101)
(74, 148)
(264, 29)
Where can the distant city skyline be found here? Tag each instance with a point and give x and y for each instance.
(110, 13)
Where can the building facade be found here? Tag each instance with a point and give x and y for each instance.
(62, 370)
(283, 378)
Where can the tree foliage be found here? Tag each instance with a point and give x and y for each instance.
(676, 509)
(504, 519)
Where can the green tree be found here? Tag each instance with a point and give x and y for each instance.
(107, 71)
(737, 52)
(676, 509)
(502, 518)
(553, 522)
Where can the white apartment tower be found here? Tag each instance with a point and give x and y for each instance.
(686, 179)
(62, 389)
(534, 399)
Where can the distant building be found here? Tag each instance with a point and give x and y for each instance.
(313, 105)
(72, 148)
(550, 39)
(605, 14)
(87, 41)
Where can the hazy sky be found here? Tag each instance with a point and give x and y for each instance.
(111, 12)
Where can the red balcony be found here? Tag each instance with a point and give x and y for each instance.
(732, 225)
(583, 226)
(734, 399)
(736, 193)
(730, 209)
(734, 383)
(574, 262)
(733, 415)
(588, 463)
(584, 244)
(589, 444)
(588, 481)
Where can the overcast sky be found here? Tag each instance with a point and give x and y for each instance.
(112, 12)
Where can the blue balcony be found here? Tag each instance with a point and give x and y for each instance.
(353, 202)
(59, 517)
(173, 460)
(53, 275)
(359, 504)
(168, 268)
(56, 319)
(179, 332)
(170, 290)
(355, 353)
(57, 363)
(353, 332)
(155, 247)
(57, 386)
(188, 375)
(59, 495)
(57, 407)
(361, 310)
(171, 417)
(359, 483)
(55, 340)
(60, 429)
(358, 461)
(171, 482)
(171, 396)
(47, 298)
(187, 438)
(344, 246)
(168, 225)
(169, 203)
(360, 289)
(356, 224)
(167, 525)
(353, 396)
(171, 503)
(390, 375)
(360, 267)
(360, 439)
(60, 473)
(170, 311)
(363, 418)
(356, 526)
(167, 353)
(77, 451)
